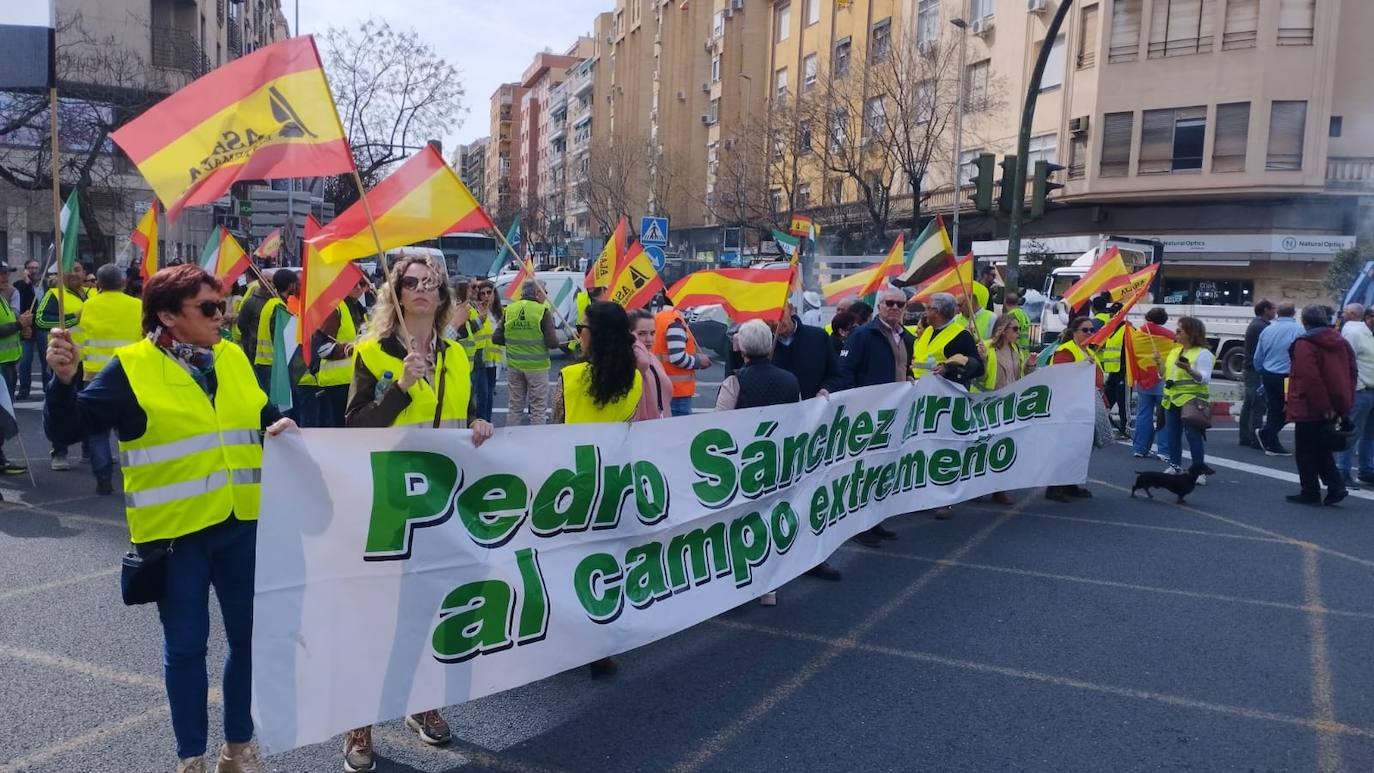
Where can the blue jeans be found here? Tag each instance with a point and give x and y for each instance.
(1274, 417)
(1177, 430)
(680, 406)
(35, 347)
(222, 555)
(102, 459)
(1145, 406)
(1363, 442)
(483, 388)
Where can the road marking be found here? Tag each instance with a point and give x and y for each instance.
(470, 753)
(1332, 727)
(1256, 469)
(1323, 696)
(1154, 527)
(94, 670)
(9, 594)
(710, 747)
(1308, 607)
(97, 733)
(120, 524)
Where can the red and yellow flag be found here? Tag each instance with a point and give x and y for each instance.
(746, 293)
(1105, 274)
(323, 288)
(1142, 346)
(802, 225)
(422, 199)
(144, 238)
(867, 280)
(892, 266)
(636, 282)
(224, 258)
(262, 116)
(270, 245)
(1135, 287)
(955, 280)
(523, 275)
(608, 263)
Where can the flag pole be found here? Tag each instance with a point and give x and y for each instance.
(381, 253)
(57, 210)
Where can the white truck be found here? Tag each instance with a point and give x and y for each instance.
(1225, 324)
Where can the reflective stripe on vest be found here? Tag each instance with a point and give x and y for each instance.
(1179, 386)
(1110, 356)
(10, 346)
(580, 408)
(423, 398)
(109, 321)
(524, 333)
(684, 380)
(197, 462)
(263, 354)
(71, 303)
(339, 372)
(930, 348)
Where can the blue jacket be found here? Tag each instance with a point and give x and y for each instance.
(1271, 353)
(809, 356)
(867, 357)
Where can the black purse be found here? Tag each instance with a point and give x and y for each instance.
(1338, 435)
(143, 576)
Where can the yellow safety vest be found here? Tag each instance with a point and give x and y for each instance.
(109, 321)
(524, 334)
(335, 372)
(580, 408)
(10, 346)
(196, 463)
(982, 322)
(989, 381)
(72, 304)
(1110, 355)
(457, 374)
(931, 347)
(263, 355)
(583, 301)
(1179, 387)
(1072, 348)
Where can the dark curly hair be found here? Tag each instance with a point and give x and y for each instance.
(610, 356)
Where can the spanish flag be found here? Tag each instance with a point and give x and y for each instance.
(263, 116)
(746, 293)
(636, 282)
(1133, 288)
(224, 257)
(848, 286)
(323, 288)
(604, 268)
(144, 238)
(1105, 274)
(1142, 346)
(803, 225)
(891, 266)
(422, 199)
(952, 280)
(525, 274)
(270, 245)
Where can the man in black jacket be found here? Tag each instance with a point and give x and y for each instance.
(805, 352)
(1252, 410)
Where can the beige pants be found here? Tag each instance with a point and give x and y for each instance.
(527, 387)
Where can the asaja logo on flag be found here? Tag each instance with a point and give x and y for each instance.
(237, 144)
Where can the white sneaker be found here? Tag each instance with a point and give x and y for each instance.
(769, 599)
(1173, 470)
(60, 464)
(1202, 480)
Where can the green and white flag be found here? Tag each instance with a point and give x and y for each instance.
(284, 348)
(70, 220)
(209, 257)
(787, 243)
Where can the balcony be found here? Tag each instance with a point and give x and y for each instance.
(175, 49)
(1350, 173)
(558, 131)
(235, 36)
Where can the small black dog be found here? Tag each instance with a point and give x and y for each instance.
(1182, 484)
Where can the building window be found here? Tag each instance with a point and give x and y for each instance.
(1054, 67)
(1231, 137)
(1335, 128)
(803, 196)
(715, 69)
(968, 170)
(1078, 156)
(880, 41)
(1171, 140)
(1044, 147)
(1125, 42)
(1216, 292)
(718, 24)
(634, 12)
(1180, 27)
(809, 67)
(833, 192)
(713, 111)
(777, 144)
(1287, 122)
(619, 25)
(804, 137)
(927, 22)
(780, 84)
(1087, 38)
(813, 12)
(925, 102)
(875, 117)
(839, 130)
(979, 9)
(840, 63)
(775, 198)
(1296, 22)
(976, 87)
(1116, 144)
(1242, 24)
(782, 19)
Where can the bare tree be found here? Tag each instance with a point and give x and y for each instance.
(758, 172)
(615, 183)
(393, 91)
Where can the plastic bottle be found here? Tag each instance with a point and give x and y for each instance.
(384, 384)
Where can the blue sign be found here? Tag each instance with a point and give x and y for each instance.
(653, 230)
(656, 255)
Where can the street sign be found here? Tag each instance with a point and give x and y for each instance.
(245, 208)
(653, 230)
(656, 256)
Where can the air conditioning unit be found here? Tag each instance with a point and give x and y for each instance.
(1035, 6)
(706, 87)
(682, 96)
(1078, 125)
(727, 13)
(737, 5)
(981, 27)
(706, 119)
(710, 45)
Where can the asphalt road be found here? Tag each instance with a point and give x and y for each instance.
(1119, 634)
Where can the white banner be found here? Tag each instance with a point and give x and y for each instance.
(404, 570)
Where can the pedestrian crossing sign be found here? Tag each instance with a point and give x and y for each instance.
(653, 230)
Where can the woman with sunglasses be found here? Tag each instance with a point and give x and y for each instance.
(1072, 347)
(486, 309)
(406, 374)
(189, 415)
(1005, 363)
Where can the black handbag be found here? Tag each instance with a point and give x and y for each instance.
(143, 575)
(1338, 435)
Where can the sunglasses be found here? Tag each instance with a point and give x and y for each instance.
(894, 304)
(420, 283)
(211, 308)
(1084, 330)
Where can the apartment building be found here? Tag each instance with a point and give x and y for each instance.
(738, 48)
(582, 112)
(470, 161)
(118, 57)
(503, 151)
(1239, 132)
(540, 178)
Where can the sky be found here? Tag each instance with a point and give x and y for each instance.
(490, 42)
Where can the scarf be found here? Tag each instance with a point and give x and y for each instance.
(199, 361)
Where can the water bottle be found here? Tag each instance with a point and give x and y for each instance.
(383, 385)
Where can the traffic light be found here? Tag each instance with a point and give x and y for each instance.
(1007, 183)
(982, 180)
(1043, 186)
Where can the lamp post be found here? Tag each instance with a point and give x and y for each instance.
(958, 134)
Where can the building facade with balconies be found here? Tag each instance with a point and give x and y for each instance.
(503, 151)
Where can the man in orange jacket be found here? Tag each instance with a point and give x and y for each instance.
(676, 348)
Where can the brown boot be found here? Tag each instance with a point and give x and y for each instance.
(239, 758)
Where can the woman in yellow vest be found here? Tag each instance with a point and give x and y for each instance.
(1004, 363)
(406, 374)
(488, 310)
(190, 417)
(1187, 371)
(1072, 347)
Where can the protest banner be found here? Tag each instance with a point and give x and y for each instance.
(401, 570)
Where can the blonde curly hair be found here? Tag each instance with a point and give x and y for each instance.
(386, 319)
